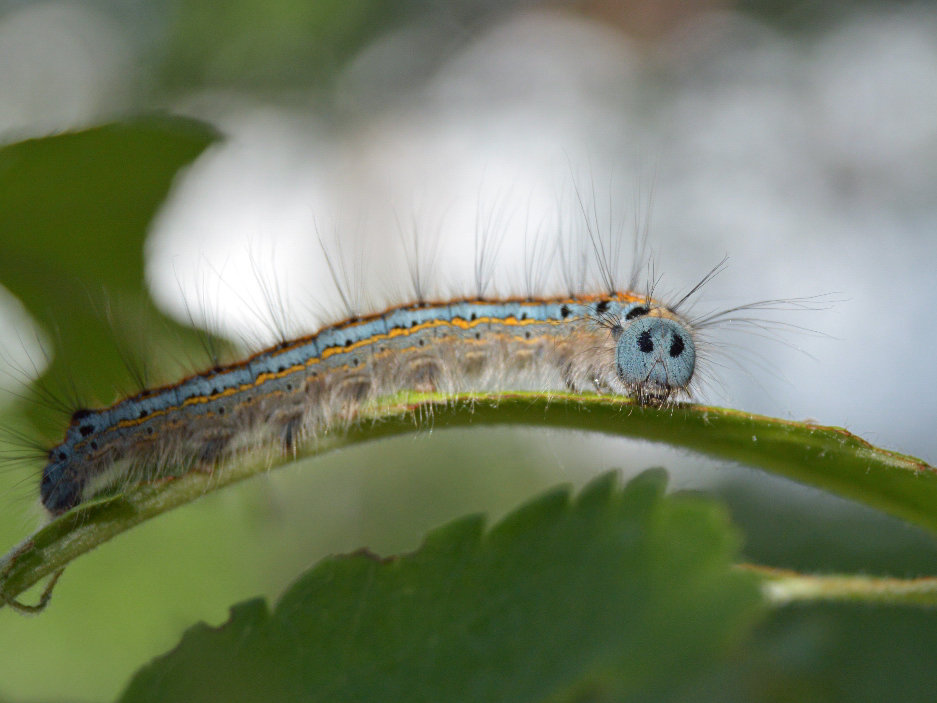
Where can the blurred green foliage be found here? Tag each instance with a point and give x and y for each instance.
(75, 212)
(290, 42)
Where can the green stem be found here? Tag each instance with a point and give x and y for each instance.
(829, 458)
(783, 587)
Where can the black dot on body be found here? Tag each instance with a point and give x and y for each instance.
(86, 430)
(677, 346)
(601, 306)
(638, 311)
(645, 343)
(564, 311)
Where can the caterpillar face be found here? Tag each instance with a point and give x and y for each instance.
(655, 354)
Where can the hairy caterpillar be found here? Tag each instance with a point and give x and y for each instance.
(596, 338)
(621, 343)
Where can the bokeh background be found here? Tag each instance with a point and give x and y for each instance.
(799, 139)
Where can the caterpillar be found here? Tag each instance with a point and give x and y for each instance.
(603, 338)
(619, 342)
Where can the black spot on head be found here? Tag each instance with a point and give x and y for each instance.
(473, 317)
(645, 343)
(601, 306)
(677, 346)
(524, 316)
(86, 430)
(413, 323)
(639, 311)
(63, 456)
(143, 414)
(80, 414)
(347, 344)
(564, 311)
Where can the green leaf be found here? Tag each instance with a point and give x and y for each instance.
(74, 211)
(275, 43)
(612, 596)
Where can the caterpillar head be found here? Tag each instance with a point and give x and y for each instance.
(655, 354)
